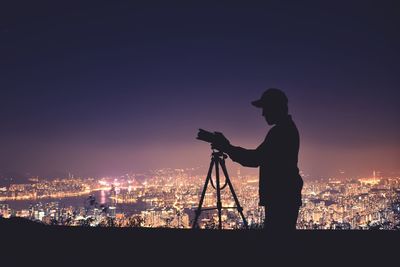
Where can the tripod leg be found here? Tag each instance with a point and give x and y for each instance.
(219, 204)
(239, 208)
(198, 211)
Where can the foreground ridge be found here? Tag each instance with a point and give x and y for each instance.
(120, 245)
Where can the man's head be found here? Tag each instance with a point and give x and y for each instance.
(274, 104)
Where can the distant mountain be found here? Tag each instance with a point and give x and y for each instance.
(7, 178)
(13, 177)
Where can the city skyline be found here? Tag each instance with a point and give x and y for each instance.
(169, 197)
(105, 89)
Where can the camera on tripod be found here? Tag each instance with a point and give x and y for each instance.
(209, 137)
(217, 161)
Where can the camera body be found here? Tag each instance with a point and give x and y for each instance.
(207, 136)
(217, 140)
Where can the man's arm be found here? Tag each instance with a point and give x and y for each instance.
(245, 157)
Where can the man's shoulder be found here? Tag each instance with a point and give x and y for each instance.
(282, 131)
(272, 133)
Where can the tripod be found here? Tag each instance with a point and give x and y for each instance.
(218, 159)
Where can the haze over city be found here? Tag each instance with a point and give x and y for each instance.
(102, 89)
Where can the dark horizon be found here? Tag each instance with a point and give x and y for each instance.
(104, 89)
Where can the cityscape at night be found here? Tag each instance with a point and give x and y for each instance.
(199, 133)
(100, 105)
(168, 198)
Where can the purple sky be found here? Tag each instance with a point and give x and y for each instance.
(101, 89)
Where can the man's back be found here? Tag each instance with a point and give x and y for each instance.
(279, 175)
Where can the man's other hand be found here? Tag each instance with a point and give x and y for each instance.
(221, 142)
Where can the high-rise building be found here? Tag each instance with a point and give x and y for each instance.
(113, 202)
(112, 211)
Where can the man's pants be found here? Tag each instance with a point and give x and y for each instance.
(281, 217)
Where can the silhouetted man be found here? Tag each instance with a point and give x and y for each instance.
(280, 184)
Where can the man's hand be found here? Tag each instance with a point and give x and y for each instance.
(221, 143)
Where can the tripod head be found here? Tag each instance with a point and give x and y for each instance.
(218, 154)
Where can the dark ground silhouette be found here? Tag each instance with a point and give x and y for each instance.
(24, 241)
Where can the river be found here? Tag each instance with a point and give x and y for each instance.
(102, 197)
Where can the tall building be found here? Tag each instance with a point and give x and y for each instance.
(113, 202)
(112, 211)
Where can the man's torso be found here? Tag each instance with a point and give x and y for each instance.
(279, 175)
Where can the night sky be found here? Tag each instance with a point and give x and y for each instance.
(110, 87)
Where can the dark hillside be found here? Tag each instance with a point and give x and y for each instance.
(23, 240)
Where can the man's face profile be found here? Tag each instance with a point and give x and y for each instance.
(273, 113)
(267, 113)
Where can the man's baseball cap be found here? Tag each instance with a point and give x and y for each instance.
(271, 96)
